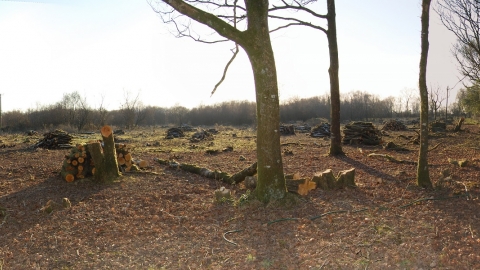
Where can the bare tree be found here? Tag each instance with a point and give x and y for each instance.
(423, 176)
(255, 40)
(130, 108)
(407, 95)
(436, 100)
(462, 18)
(333, 71)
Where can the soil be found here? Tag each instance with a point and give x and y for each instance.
(165, 218)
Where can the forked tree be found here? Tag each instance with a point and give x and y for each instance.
(423, 176)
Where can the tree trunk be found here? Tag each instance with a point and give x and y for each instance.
(271, 180)
(105, 160)
(423, 177)
(335, 136)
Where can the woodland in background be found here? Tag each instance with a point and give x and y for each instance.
(74, 112)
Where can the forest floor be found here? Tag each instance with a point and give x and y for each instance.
(165, 218)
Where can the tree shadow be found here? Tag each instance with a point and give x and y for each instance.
(23, 209)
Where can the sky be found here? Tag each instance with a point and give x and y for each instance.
(111, 50)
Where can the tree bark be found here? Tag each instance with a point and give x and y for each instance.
(256, 42)
(105, 160)
(271, 180)
(423, 177)
(335, 136)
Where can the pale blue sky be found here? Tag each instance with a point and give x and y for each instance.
(52, 47)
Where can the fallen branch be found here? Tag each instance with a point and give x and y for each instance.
(430, 199)
(328, 213)
(230, 241)
(435, 147)
(392, 159)
(218, 175)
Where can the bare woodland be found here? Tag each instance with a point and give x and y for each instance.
(344, 180)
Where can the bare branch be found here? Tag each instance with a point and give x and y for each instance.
(225, 70)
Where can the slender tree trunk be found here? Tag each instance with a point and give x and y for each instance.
(335, 137)
(271, 181)
(423, 177)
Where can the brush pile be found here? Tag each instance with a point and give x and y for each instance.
(320, 131)
(200, 136)
(361, 133)
(57, 139)
(287, 130)
(174, 133)
(394, 125)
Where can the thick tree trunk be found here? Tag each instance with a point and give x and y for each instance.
(271, 180)
(335, 137)
(423, 177)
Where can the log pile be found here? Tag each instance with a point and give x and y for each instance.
(174, 133)
(80, 162)
(394, 125)
(287, 130)
(361, 133)
(57, 139)
(303, 129)
(77, 164)
(437, 126)
(320, 131)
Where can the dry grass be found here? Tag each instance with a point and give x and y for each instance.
(166, 219)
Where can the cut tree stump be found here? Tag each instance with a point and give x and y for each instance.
(106, 165)
(326, 180)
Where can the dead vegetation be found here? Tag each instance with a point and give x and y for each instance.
(162, 217)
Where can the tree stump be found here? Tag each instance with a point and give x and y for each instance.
(326, 180)
(458, 126)
(106, 166)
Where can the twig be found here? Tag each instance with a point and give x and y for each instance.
(229, 241)
(435, 147)
(282, 219)
(328, 213)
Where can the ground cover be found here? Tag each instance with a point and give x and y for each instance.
(165, 218)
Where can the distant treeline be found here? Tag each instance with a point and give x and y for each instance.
(73, 113)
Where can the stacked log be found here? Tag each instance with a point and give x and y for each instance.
(394, 125)
(125, 160)
(174, 133)
(77, 164)
(287, 130)
(57, 139)
(361, 133)
(303, 129)
(320, 131)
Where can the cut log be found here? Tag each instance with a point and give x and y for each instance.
(325, 180)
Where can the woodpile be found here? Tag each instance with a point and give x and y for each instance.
(303, 129)
(361, 133)
(320, 131)
(57, 139)
(77, 164)
(437, 126)
(287, 130)
(174, 133)
(80, 162)
(394, 125)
